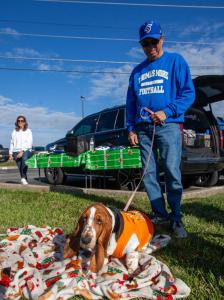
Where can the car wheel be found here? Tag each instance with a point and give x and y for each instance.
(128, 179)
(54, 175)
(207, 180)
(188, 181)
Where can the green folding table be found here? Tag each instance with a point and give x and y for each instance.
(91, 160)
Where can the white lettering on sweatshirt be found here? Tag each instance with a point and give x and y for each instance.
(154, 73)
(152, 90)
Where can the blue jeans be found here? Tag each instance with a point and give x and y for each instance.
(169, 142)
(21, 162)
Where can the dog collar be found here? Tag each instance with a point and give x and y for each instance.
(118, 222)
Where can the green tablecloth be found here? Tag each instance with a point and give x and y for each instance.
(113, 159)
(97, 160)
(53, 160)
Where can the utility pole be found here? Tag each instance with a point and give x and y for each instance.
(82, 98)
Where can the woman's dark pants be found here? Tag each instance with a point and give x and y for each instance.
(21, 162)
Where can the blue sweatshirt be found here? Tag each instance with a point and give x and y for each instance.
(163, 84)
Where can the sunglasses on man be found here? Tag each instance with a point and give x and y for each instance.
(22, 121)
(149, 43)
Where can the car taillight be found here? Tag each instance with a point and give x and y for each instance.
(221, 139)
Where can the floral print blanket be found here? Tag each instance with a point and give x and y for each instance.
(32, 266)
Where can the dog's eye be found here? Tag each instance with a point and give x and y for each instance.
(84, 219)
(99, 221)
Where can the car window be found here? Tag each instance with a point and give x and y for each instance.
(107, 120)
(209, 91)
(196, 120)
(218, 109)
(87, 125)
(38, 148)
(218, 112)
(120, 119)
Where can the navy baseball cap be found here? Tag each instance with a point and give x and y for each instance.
(151, 30)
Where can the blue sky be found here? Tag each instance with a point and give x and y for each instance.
(77, 36)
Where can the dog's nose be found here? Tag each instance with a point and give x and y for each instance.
(87, 253)
(86, 240)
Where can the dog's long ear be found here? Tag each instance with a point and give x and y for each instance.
(72, 244)
(97, 261)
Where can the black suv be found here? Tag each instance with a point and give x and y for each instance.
(202, 157)
(4, 154)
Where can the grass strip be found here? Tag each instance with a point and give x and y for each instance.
(198, 260)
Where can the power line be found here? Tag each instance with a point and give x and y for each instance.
(77, 25)
(92, 61)
(68, 60)
(61, 24)
(66, 36)
(62, 71)
(133, 4)
(67, 71)
(94, 38)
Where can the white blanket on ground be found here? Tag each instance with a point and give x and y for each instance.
(32, 265)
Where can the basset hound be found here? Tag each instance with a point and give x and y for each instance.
(102, 232)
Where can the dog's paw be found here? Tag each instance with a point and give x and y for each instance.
(132, 261)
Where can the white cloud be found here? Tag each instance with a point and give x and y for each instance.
(115, 86)
(43, 66)
(73, 77)
(46, 125)
(9, 30)
(198, 56)
(110, 85)
(29, 52)
(204, 30)
(39, 65)
(136, 53)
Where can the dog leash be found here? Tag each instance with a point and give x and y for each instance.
(148, 159)
(143, 174)
(149, 111)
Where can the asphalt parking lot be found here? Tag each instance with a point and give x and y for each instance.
(37, 177)
(11, 175)
(9, 178)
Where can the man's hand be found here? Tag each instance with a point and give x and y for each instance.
(10, 157)
(133, 138)
(158, 117)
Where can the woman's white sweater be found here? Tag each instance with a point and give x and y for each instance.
(21, 140)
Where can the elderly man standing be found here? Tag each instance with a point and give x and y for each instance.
(160, 91)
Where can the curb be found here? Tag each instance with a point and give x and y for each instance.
(8, 168)
(203, 192)
(198, 193)
(29, 187)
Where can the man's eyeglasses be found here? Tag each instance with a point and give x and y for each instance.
(21, 121)
(148, 43)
